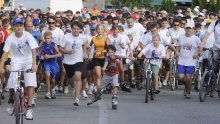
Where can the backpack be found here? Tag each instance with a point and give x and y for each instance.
(218, 21)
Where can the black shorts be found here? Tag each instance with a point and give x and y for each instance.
(98, 62)
(71, 69)
(8, 62)
(84, 70)
(90, 65)
(166, 65)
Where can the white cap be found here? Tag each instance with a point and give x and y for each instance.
(189, 25)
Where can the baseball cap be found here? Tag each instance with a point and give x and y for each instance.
(17, 21)
(36, 22)
(208, 21)
(92, 27)
(189, 25)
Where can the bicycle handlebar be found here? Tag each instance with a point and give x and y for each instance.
(26, 71)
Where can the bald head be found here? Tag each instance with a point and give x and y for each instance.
(28, 26)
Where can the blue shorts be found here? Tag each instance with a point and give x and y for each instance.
(186, 69)
(52, 68)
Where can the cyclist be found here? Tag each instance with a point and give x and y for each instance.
(187, 53)
(22, 46)
(154, 50)
(214, 27)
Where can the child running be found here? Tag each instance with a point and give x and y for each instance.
(50, 53)
(111, 69)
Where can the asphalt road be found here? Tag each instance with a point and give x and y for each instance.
(169, 107)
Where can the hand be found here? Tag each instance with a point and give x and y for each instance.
(2, 71)
(103, 69)
(195, 56)
(98, 52)
(46, 56)
(34, 68)
(72, 51)
(132, 58)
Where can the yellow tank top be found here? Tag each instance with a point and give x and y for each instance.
(99, 44)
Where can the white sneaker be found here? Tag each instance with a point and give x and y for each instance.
(76, 102)
(56, 87)
(164, 83)
(48, 96)
(35, 96)
(66, 89)
(33, 103)
(61, 89)
(91, 88)
(29, 114)
(10, 109)
(160, 85)
(84, 94)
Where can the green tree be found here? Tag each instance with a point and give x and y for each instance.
(131, 3)
(168, 5)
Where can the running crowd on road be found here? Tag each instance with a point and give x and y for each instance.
(87, 50)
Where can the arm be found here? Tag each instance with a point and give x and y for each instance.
(172, 47)
(58, 54)
(207, 34)
(3, 59)
(34, 65)
(85, 46)
(105, 66)
(62, 50)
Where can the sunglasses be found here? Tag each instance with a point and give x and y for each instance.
(188, 28)
(51, 22)
(176, 25)
(58, 17)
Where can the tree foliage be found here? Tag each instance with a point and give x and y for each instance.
(131, 3)
(168, 5)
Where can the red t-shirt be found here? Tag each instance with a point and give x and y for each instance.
(113, 65)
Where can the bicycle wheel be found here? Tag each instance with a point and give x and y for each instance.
(151, 91)
(147, 87)
(18, 109)
(204, 86)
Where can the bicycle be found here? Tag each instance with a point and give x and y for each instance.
(209, 78)
(148, 79)
(19, 98)
(173, 73)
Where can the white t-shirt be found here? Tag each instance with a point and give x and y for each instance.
(175, 34)
(57, 35)
(136, 32)
(20, 48)
(147, 39)
(150, 51)
(209, 44)
(70, 42)
(216, 31)
(116, 41)
(188, 47)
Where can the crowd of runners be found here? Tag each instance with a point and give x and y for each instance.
(88, 49)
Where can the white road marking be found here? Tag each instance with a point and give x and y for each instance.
(103, 112)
